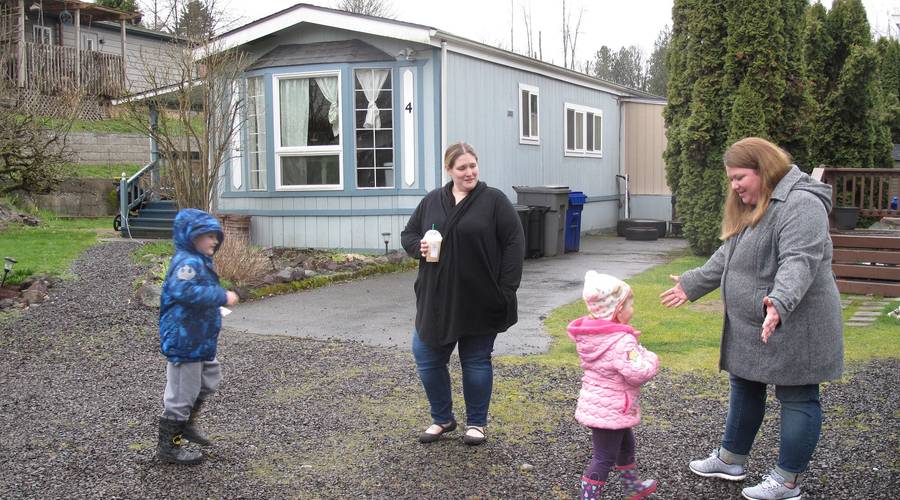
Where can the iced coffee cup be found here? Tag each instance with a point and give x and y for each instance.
(433, 238)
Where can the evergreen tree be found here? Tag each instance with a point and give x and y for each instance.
(843, 129)
(847, 26)
(657, 76)
(678, 96)
(701, 187)
(123, 5)
(816, 50)
(754, 68)
(628, 67)
(603, 61)
(797, 106)
(889, 62)
(851, 125)
(195, 22)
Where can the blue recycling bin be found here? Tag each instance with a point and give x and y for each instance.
(573, 220)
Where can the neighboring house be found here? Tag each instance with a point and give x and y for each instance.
(347, 117)
(51, 47)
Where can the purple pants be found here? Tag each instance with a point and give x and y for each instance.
(611, 447)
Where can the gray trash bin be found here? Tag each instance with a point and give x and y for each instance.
(557, 198)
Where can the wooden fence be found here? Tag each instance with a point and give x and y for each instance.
(51, 69)
(870, 189)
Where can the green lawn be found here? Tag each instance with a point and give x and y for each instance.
(50, 247)
(687, 338)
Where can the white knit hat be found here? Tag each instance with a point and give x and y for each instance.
(603, 294)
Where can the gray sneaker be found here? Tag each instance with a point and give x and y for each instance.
(772, 488)
(713, 466)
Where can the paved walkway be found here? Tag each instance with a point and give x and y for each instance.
(381, 310)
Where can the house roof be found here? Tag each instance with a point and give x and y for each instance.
(92, 11)
(140, 31)
(321, 52)
(416, 33)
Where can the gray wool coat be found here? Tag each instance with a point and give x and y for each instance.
(786, 257)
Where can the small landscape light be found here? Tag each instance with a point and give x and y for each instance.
(7, 268)
(387, 240)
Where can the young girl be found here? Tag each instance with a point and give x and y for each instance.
(615, 366)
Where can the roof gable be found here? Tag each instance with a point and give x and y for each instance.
(297, 54)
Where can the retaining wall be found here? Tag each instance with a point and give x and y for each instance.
(102, 149)
(78, 197)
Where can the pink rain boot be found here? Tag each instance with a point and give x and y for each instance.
(591, 488)
(634, 488)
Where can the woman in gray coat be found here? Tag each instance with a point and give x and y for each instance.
(782, 311)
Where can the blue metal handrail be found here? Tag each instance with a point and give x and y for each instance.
(131, 193)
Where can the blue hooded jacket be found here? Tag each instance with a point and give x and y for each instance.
(189, 317)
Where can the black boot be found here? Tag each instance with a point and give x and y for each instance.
(193, 433)
(170, 447)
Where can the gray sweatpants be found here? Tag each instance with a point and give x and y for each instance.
(186, 383)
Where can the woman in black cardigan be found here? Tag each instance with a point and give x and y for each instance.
(469, 295)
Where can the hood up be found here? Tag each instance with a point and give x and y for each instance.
(190, 223)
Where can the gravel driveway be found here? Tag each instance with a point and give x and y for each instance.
(81, 384)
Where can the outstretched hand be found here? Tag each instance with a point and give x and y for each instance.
(771, 321)
(675, 296)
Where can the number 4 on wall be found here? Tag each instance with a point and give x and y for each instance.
(408, 107)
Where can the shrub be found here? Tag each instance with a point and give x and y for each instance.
(238, 261)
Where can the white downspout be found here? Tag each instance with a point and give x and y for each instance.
(443, 111)
(621, 154)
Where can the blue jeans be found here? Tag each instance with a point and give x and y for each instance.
(801, 421)
(477, 371)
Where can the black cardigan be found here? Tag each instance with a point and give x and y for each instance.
(472, 289)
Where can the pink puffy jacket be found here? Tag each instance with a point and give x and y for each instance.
(615, 366)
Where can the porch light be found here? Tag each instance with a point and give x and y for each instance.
(408, 53)
(387, 240)
(7, 268)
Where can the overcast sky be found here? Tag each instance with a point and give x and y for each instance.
(614, 23)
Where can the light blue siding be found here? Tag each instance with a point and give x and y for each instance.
(481, 95)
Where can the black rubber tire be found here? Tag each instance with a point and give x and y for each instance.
(641, 234)
(659, 225)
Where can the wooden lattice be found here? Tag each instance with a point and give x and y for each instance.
(49, 105)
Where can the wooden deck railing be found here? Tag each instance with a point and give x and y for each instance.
(872, 190)
(51, 69)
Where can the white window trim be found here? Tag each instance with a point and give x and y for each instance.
(532, 139)
(584, 110)
(37, 28)
(393, 130)
(281, 151)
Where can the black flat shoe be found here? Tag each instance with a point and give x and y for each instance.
(474, 435)
(428, 437)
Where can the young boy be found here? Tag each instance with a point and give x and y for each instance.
(189, 323)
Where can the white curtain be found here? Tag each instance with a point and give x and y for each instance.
(371, 82)
(294, 111)
(328, 86)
